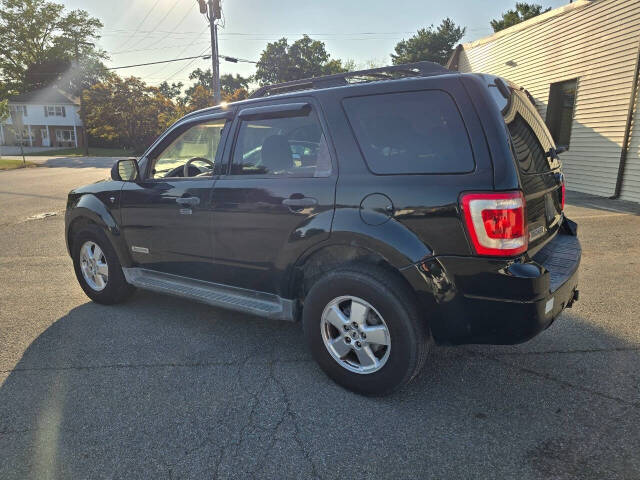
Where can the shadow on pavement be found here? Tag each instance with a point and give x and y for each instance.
(162, 388)
(602, 203)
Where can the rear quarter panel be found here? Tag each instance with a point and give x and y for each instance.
(425, 206)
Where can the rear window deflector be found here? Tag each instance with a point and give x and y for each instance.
(301, 109)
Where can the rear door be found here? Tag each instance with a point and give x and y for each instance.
(277, 198)
(537, 165)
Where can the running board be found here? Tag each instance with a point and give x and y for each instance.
(248, 301)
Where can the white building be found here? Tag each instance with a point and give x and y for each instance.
(580, 63)
(50, 118)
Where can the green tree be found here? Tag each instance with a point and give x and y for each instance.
(171, 91)
(228, 82)
(304, 58)
(127, 112)
(433, 44)
(40, 40)
(200, 98)
(202, 78)
(4, 109)
(522, 12)
(237, 95)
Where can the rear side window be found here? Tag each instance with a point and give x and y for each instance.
(413, 132)
(291, 146)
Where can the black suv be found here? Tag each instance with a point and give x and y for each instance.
(388, 209)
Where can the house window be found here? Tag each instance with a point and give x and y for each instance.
(54, 111)
(562, 98)
(18, 108)
(24, 137)
(65, 136)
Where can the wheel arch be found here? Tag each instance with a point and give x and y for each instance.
(89, 210)
(315, 263)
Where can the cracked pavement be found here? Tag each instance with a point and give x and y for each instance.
(161, 387)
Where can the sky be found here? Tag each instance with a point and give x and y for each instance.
(140, 31)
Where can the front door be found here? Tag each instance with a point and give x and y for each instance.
(277, 199)
(166, 216)
(45, 137)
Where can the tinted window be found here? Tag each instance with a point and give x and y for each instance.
(291, 146)
(416, 132)
(562, 96)
(197, 145)
(530, 138)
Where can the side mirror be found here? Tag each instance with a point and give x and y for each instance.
(125, 170)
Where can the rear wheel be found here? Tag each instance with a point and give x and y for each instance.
(97, 267)
(363, 328)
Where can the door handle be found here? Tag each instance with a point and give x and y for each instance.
(299, 202)
(190, 201)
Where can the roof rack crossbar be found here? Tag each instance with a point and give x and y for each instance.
(418, 69)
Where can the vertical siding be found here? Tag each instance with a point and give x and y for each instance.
(594, 41)
(631, 180)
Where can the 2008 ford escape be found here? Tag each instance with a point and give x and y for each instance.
(388, 209)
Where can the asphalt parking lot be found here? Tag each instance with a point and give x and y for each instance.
(164, 388)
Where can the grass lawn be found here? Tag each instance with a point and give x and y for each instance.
(79, 152)
(10, 164)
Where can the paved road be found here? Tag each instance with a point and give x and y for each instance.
(162, 388)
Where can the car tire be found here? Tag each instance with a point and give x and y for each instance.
(106, 286)
(388, 302)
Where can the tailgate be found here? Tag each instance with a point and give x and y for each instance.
(538, 168)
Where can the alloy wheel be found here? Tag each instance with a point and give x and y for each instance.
(355, 334)
(93, 265)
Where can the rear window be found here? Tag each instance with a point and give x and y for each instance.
(532, 142)
(413, 132)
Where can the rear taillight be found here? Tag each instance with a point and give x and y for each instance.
(496, 222)
(564, 193)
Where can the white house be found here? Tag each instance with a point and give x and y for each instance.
(580, 63)
(50, 118)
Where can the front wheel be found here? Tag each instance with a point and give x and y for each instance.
(364, 330)
(97, 267)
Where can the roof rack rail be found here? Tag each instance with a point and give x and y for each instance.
(418, 69)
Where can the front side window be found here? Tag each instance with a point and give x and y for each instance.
(562, 98)
(410, 133)
(292, 146)
(195, 149)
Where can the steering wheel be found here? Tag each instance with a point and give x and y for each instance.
(185, 171)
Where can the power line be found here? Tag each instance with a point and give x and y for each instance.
(175, 4)
(184, 50)
(181, 69)
(273, 34)
(225, 57)
(161, 61)
(158, 48)
(140, 24)
(180, 22)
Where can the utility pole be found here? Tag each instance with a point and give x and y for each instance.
(85, 136)
(214, 13)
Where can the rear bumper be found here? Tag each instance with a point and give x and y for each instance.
(483, 300)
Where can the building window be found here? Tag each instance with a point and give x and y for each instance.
(18, 108)
(24, 137)
(54, 111)
(65, 136)
(562, 99)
